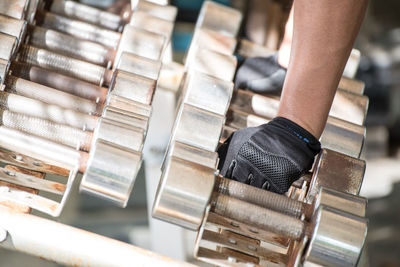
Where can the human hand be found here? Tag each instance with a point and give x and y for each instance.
(271, 156)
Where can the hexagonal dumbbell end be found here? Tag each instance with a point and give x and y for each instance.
(111, 172)
(166, 12)
(15, 9)
(337, 239)
(183, 193)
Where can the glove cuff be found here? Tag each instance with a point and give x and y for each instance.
(298, 131)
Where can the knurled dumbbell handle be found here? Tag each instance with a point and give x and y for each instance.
(79, 29)
(60, 82)
(49, 95)
(72, 46)
(66, 65)
(32, 107)
(258, 217)
(260, 197)
(58, 133)
(42, 149)
(87, 13)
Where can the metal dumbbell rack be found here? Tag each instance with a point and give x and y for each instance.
(53, 99)
(57, 116)
(238, 225)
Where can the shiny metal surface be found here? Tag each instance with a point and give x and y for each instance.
(31, 11)
(238, 119)
(39, 109)
(120, 134)
(8, 46)
(353, 86)
(148, 22)
(4, 67)
(79, 29)
(342, 201)
(192, 154)
(208, 39)
(197, 127)
(126, 117)
(337, 240)
(348, 179)
(183, 193)
(259, 217)
(14, 8)
(58, 133)
(129, 105)
(141, 42)
(139, 65)
(260, 197)
(249, 49)
(349, 107)
(39, 148)
(111, 172)
(70, 46)
(207, 92)
(223, 66)
(167, 12)
(344, 137)
(13, 27)
(133, 87)
(49, 95)
(63, 64)
(352, 64)
(60, 82)
(86, 13)
(219, 18)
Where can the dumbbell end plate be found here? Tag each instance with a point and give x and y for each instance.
(183, 193)
(111, 172)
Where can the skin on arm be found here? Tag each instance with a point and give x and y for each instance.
(323, 35)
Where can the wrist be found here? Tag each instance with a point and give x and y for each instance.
(299, 132)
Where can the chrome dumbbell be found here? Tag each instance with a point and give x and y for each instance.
(188, 191)
(346, 177)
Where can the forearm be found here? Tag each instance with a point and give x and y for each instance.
(323, 36)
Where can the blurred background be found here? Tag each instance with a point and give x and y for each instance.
(379, 43)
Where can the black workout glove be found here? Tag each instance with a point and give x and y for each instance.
(271, 156)
(261, 75)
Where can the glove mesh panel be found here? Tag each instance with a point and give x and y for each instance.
(278, 171)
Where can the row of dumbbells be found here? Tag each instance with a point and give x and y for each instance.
(320, 221)
(77, 92)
